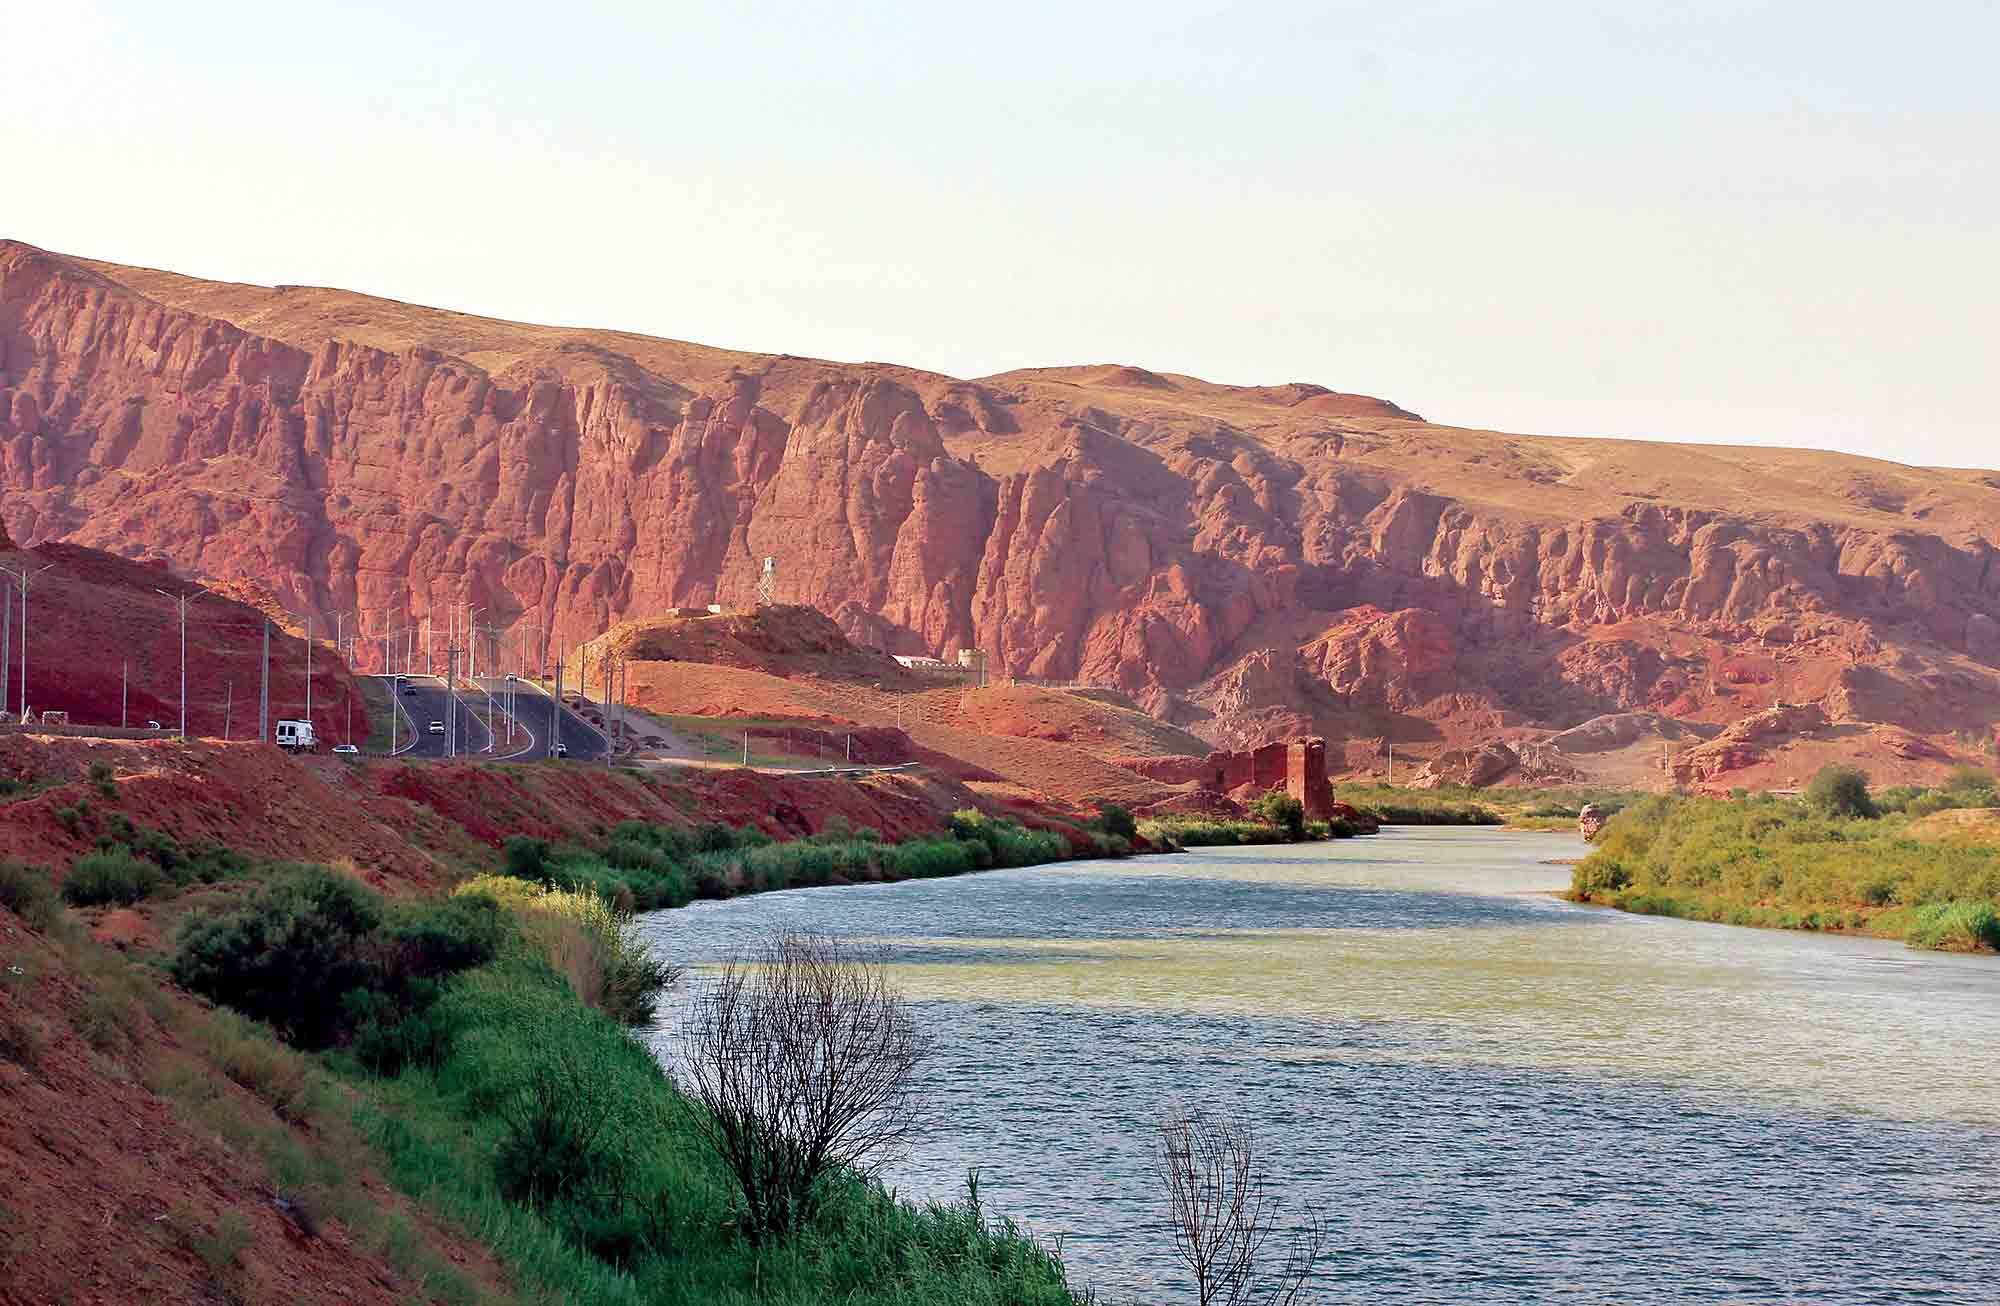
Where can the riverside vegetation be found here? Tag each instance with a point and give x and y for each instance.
(481, 1040)
(1837, 858)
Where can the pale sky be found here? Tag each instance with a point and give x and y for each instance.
(1750, 222)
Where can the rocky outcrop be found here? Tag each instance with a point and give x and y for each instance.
(1748, 742)
(1472, 768)
(1256, 563)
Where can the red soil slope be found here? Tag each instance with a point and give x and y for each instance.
(98, 627)
(114, 1193)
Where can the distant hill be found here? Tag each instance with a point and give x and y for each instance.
(1245, 562)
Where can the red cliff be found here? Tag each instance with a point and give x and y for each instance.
(1254, 563)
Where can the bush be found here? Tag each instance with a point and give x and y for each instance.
(583, 938)
(1276, 807)
(1766, 862)
(113, 876)
(1972, 786)
(1116, 820)
(555, 1142)
(526, 858)
(424, 940)
(289, 955)
(1841, 791)
(26, 891)
(101, 776)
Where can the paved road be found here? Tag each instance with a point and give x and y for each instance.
(532, 712)
(424, 699)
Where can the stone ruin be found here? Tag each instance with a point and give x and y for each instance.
(1298, 766)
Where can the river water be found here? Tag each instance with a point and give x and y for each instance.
(1490, 1095)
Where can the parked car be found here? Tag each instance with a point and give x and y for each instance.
(345, 749)
(437, 727)
(562, 750)
(410, 690)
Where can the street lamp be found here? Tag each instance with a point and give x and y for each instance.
(22, 577)
(181, 601)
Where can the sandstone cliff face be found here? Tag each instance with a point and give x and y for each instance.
(1258, 563)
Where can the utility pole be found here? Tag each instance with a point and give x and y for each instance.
(309, 668)
(264, 689)
(555, 714)
(125, 690)
(180, 601)
(228, 709)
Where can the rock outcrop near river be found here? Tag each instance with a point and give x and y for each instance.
(1254, 562)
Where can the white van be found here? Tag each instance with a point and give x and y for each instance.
(297, 736)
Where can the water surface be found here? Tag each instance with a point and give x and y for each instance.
(1491, 1095)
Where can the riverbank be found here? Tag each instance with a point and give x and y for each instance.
(1776, 863)
(1541, 810)
(361, 1107)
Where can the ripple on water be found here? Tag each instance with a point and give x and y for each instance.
(1494, 1096)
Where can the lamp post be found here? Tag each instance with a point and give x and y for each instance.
(23, 577)
(181, 601)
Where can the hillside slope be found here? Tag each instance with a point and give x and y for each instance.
(1250, 562)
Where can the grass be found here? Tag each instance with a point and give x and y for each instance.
(1206, 832)
(27, 892)
(645, 867)
(651, 1218)
(1448, 805)
(1520, 808)
(1777, 863)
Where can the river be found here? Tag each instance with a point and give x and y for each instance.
(1490, 1095)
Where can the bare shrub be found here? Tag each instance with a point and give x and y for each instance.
(1221, 1216)
(803, 1059)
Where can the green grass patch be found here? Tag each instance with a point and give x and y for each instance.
(603, 1192)
(1780, 863)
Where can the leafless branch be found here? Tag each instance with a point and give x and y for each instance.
(804, 1059)
(1221, 1216)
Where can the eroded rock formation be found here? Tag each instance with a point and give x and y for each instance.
(1254, 563)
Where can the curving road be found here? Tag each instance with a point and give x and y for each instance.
(424, 699)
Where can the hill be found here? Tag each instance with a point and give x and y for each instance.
(1247, 562)
(104, 645)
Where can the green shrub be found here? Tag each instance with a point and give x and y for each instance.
(526, 858)
(714, 837)
(434, 937)
(289, 955)
(1766, 862)
(26, 891)
(110, 877)
(1277, 807)
(101, 776)
(1116, 820)
(1842, 791)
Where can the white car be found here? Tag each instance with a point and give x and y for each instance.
(346, 750)
(437, 727)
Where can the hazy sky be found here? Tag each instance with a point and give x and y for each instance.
(1754, 222)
